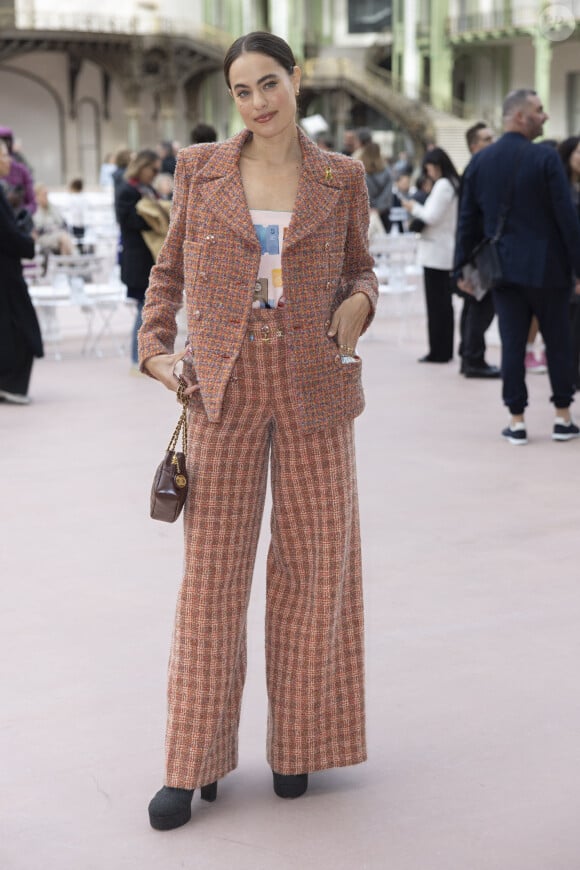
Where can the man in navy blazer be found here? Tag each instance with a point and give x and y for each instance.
(539, 252)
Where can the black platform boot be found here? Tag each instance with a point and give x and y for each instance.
(171, 807)
(291, 786)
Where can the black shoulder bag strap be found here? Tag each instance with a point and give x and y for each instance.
(503, 213)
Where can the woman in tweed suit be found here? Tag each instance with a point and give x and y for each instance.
(268, 242)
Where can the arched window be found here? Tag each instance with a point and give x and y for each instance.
(45, 112)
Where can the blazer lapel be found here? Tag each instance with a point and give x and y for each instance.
(318, 193)
(222, 190)
(223, 193)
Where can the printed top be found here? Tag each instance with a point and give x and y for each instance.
(270, 227)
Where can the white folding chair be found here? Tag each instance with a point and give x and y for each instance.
(398, 275)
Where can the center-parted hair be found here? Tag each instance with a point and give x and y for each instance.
(144, 158)
(262, 43)
(371, 158)
(439, 157)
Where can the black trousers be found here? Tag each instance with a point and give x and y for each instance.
(17, 379)
(476, 319)
(515, 307)
(440, 319)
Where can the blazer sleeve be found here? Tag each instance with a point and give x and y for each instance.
(436, 204)
(357, 273)
(164, 295)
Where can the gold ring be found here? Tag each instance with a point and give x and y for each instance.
(346, 348)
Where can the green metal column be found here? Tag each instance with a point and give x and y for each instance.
(441, 57)
(505, 67)
(542, 66)
(234, 18)
(313, 24)
(295, 26)
(398, 49)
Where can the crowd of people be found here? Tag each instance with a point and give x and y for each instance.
(434, 206)
(275, 387)
(32, 225)
(402, 198)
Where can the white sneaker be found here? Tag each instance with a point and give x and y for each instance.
(14, 398)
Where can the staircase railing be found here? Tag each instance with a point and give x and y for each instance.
(425, 94)
(342, 73)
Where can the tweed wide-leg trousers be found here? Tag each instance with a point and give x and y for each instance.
(314, 608)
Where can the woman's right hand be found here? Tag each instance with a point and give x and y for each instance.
(162, 368)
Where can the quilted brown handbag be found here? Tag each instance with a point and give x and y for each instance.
(170, 483)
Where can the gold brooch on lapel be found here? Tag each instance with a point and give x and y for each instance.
(328, 174)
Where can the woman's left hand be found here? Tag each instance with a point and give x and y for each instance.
(408, 204)
(348, 321)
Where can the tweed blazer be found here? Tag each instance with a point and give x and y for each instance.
(212, 255)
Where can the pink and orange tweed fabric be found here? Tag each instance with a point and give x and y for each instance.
(314, 619)
(212, 255)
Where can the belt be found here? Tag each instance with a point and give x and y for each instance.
(265, 333)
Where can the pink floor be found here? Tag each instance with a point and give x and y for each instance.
(473, 613)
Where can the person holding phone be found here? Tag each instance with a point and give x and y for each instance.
(436, 246)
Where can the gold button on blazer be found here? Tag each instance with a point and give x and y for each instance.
(211, 256)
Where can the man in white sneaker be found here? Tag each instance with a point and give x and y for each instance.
(539, 250)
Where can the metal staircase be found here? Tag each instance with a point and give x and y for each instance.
(375, 87)
(450, 135)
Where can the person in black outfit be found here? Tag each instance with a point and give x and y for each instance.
(20, 339)
(168, 158)
(538, 250)
(476, 316)
(136, 258)
(569, 151)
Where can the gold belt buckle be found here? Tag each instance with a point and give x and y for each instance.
(266, 334)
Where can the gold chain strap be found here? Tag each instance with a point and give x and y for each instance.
(182, 422)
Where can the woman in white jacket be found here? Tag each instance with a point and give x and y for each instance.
(436, 247)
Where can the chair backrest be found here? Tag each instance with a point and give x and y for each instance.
(395, 257)
(90, 267)
(406, 243)
(34, 270)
